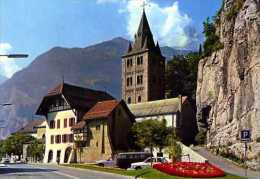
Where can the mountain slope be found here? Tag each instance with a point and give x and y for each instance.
(97, 66)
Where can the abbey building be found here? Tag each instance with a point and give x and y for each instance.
(143, 68)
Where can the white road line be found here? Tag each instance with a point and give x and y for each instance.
(65, 175)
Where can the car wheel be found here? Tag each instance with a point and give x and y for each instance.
(101, 164)
(138, 168)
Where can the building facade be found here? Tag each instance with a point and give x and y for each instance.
(177, 112)
(143, 68)
(104, 131)
(63, 107)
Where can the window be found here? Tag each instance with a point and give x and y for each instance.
(140, 60)
(65, 122)
(139, 99)
(58, 124)
(98, 127)
(129, 62)
(57, 139)
(52, 124)
(52, 139)
(72, 122)
(97, 144)
(71, 139)
(129, 100)
(64, 138)
(129, 81)
(140, 79)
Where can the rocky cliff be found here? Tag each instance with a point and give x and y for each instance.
(228, 86)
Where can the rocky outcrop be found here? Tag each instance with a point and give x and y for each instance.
(228, 86)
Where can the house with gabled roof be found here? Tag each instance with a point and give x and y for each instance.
(64, 106)
(105, 128)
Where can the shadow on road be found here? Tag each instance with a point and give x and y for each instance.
(8, 170)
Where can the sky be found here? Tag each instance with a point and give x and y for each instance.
(35, 26)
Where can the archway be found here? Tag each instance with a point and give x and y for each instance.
(50, 156)
(67, 154)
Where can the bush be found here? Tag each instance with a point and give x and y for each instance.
(212, 42)
(175, 151)
(234, 10)
(201, 137)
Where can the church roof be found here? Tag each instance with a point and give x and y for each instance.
(143, 38)
(77, 97)
(159, 107)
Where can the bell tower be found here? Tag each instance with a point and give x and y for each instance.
(143, 67)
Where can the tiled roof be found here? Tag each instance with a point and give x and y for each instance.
(31, 127)
(77, 97)
(79, 125)
(159, 107)
(101, 109)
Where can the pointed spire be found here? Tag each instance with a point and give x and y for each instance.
(158, 48)
(129, 47)
(144, 27)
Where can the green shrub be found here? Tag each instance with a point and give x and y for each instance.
(175, 151)
(234, 10)
(212, 42)
(201, 137)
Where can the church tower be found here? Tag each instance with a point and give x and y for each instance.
(143, 67)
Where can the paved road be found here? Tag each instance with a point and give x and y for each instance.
(23, 171)
(226, 165)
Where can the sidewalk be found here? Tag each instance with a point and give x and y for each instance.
(226, 165)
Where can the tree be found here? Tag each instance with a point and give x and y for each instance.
(14, 144)
(181, 75)
(36, 150)
(150, 133)
(212, 42)
(174, 148)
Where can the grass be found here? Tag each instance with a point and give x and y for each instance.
(147, 173)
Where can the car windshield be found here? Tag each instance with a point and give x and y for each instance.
(149, 160)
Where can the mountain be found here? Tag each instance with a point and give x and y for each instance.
(2, 79)
(97, 66)
(228, 88)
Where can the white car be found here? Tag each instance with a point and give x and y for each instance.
(147, 162)
(105, 163)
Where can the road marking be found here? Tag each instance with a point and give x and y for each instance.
(65, 175)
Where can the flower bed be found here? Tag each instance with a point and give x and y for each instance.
(190, 169)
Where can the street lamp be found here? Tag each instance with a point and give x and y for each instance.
(14, 55)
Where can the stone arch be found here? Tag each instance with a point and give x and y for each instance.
(50, 156)
(67, 154)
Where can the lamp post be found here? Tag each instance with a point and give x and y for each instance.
(14, 55)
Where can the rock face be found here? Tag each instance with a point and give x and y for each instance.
(228, 86)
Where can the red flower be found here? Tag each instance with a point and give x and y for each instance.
(190, 169)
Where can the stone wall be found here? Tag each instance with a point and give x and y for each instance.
(228, 86)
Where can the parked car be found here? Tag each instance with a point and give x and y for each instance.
(2, 165)
(106, 163)
(5, 160)
(147, 162)
(124, 160)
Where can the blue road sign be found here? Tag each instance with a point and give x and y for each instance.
(245, 135)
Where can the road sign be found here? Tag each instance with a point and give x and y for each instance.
(245, 135)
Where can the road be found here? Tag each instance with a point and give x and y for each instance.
(225, 165)
(23, 171)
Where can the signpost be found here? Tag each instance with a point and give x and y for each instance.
(245, 136)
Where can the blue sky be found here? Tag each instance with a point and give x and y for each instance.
(35, 26)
